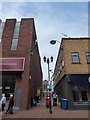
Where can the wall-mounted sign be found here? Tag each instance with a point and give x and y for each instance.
(49, 86)
(12, 64)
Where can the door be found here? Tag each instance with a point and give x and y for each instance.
(18, 97)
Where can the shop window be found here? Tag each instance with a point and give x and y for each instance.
(75, 57)
(75, 96)
(84, 96)
(88, 57)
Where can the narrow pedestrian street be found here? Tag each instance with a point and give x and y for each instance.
(40, 111)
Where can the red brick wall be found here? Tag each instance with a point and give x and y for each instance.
(7, 36)
(27, 37)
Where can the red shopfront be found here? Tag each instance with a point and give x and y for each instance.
(11, 68)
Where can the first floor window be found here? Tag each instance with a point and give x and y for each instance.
(75, 57)
(14, 44)
(88, 57)
(62, 63)
(1, 29)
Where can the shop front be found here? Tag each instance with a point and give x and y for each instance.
(80, 91)
(11, 69)
(8, 84)
(76, 89)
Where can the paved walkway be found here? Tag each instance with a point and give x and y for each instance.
(40, 111)
(43, 112)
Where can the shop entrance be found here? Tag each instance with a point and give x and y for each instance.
(8, 84)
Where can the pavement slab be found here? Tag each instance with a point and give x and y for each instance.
(41, 111)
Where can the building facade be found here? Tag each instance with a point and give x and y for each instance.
(20, 63)
(72, 73)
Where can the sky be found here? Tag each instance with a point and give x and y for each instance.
(51, 20)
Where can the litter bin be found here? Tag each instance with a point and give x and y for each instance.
(64, 104)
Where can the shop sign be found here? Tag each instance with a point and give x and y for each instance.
(12, 64)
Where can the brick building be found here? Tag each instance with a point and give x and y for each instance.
(20, 62)
(72, 73)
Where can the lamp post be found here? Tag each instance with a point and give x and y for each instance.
(49, 60)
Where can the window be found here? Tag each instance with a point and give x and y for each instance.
(84, 96)
(75, 96)
(16, 30)
(62, 63)
(88, 57)
(75, 58)
(1, 29)
(15, 36)
(14, 44)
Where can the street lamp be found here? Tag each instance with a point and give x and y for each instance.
(49, 60)
(54, 42)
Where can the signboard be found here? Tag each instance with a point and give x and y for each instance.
(49, 86)
(12, 64)
(89, 79)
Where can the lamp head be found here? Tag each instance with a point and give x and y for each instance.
(53, 42)
(51, 58)
(44, 58)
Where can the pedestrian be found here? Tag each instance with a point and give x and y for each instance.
(10, 105)
(55, 97)
(3, 102)
(47, 101)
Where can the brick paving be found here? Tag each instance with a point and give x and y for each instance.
(40, 111)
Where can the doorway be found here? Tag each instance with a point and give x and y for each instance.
(8, 85)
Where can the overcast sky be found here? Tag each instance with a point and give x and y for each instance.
(51, 20)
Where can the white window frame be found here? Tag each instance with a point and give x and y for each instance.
(75, 60)
(87, 55)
